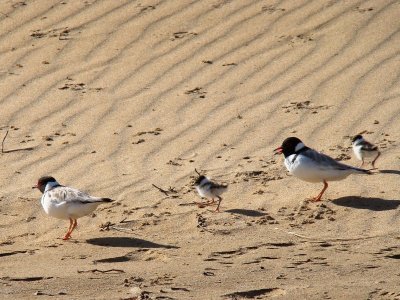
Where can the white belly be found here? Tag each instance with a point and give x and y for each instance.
(308, 170)
(66, 210)
(361, 154)
(210, 193)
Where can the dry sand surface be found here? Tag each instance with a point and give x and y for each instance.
(114, 96)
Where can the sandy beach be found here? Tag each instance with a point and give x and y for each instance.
(125, 99)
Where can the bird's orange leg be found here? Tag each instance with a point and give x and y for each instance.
(68, 234)
(318, 198)
(209, 202)
(373, 162)
(201, 204)
(219, 202)
(73, 226)
(204, 204)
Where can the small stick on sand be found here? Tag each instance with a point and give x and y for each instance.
(102, 271)
(197, 172)
(12, 150)
(160, 189)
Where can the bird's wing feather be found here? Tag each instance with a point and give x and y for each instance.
(367, 146)
(324, 161)
(71, 195)
(214, 185)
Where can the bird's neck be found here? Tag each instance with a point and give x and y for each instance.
(358, 141)
(300, 147)
(204, 181)
(51, 185)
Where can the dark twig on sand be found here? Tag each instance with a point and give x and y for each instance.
(161, 190)
(102, 271)
(12, 150)
(2, 143)
(197, 172)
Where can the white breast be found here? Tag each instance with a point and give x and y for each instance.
(309, 170)
(357, 151)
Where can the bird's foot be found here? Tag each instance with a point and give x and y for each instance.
(201, 204)
(204, 204)
(315, 199)
(66, 237)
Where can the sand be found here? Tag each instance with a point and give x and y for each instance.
(112, 97)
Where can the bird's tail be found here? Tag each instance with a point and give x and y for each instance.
(106, 200)
(362, 171)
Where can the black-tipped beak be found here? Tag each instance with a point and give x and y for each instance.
(35, 187)
(278, 150)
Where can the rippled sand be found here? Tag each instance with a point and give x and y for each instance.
(114, 96)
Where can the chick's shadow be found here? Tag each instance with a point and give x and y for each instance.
(246, 212)
(127, 242)
(375, 204)
(396, 172)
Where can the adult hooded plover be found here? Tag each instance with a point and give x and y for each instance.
(312, 166)
(66, 203)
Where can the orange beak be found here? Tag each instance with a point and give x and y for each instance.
(278, 150)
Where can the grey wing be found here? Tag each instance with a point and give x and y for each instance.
(325, 161)
(215, 185)
(71, 195)
(367, 146)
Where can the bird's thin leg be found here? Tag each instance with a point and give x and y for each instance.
(74, 226)
(373, 162)
(201, 204)
(68, 234)
(209, 202)
(362, 163)
(318, 198)
(219, 202)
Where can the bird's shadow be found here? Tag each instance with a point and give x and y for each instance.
(246, 212)
(127, 242)
(397, 172)
(376, 204)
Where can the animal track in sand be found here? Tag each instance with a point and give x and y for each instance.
(78, 86)
(344, 152)
(197, 91)
(294, 40)
(221, 256)
(156, 131)
(56, 135)
(182, 34)
(383, 294)
(272, 9)
(61, 33)
(304, 105)
(260, 176)
(146, 8)
(363, 10)
(307, 213)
